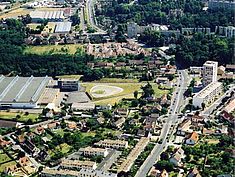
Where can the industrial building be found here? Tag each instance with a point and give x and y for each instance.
(51, 16)
(225, 4)
(22, 92)
(68, 84)
(209, 72)
(208, 94)
(63, 27)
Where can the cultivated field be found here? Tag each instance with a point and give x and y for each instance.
(53, 49)
(15, 13)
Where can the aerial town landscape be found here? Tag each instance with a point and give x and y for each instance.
(117, 88)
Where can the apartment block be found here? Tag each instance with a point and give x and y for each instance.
(208, 94)
(90, 151)
(209, 72)
(77, 164)
(116, 144)
(139, 147)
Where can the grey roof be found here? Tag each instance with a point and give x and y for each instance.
(63, 27)
(22, 89)
(47, 14)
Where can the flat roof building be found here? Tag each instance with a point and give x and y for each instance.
(63, 27)
(208, 94)
(139, 147)
(90, 151)
(209, 72)
(52, 16)
(22, 92)
(77, 164)
(116, 144)
(68, 84)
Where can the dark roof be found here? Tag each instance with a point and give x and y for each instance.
(7, 124)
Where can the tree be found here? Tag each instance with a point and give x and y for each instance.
(203, 105)
(164, 164)
(136, 94)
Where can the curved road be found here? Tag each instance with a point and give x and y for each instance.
(177, 102)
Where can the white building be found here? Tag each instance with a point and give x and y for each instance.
(227, 31)
(90, 151)
(209, 72)
(77, 164)
(38, 16)
(208, 94)
(116, 144)
(225, 4)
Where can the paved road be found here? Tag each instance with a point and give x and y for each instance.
(82, 21)
(106, 164)
(177, 101)
(90, 11)
(210, 109)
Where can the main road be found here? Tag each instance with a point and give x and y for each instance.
(91, 17)
(176, 103)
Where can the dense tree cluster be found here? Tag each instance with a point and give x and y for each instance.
(153, 11)
(200, 48)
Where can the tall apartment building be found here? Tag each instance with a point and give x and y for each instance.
(209, 72)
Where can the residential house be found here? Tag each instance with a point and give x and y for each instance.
(194, 173)
(192, 139)
(119, 122)
(39, 130)
(183, 127)
(177, 157)
(4, 143)
(150, 124)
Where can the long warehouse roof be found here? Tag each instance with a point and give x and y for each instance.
(22, 89)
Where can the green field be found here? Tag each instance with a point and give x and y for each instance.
(23, 117)
(128, 89)
(4, 158)
(53, 49)
(69, 77)
(3, 166)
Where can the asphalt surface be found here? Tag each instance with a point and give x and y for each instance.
(90, 10)
(177, 102)
(106, 164)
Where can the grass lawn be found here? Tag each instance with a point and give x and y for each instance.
(117, 80)
(4, 158)
(88, 134)
(159, 92)
(33, 26)
(53, 49)
(16, 13)
(64, 148)
(3, 166)
(23, 117)
(128, 89)
(59, 132)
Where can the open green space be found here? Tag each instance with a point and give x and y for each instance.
(3, 166)
(128, 89)
(69, 77)
(22, 116)
(53, 49)
(4, 158)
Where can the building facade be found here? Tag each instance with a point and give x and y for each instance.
(116, 144)
(68, 84)
(208, 94)
(209, 72)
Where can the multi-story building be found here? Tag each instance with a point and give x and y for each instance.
(70, 173)
(209, 72)
(116, 144)
(68, 84)
(136, 151)
(77, 164)
(225, 4)
(208, 94)
(90, 151)
(227, 31)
